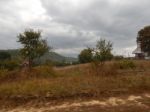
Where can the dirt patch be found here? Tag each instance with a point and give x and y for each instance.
(112, 102)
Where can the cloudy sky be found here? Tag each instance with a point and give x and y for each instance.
(71, 25)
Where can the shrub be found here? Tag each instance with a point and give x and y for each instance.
(126, 64)
(119, 57)
(10, 65)
(103, 51)
(85, 56)
(107, 69)
(6, 75)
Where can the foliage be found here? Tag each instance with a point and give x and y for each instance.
(103, 50)
(144, 38)
(85, 56)
(103, 70)
(9, 64)
(33, 45)
(4, 56)
(126, 64)
(119, 57)
(99, 55)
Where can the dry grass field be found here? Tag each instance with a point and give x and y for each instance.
(48, 86)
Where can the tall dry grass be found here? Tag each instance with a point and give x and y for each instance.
(45, 82)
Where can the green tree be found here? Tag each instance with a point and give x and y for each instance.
(85, 56)
(144, 38)
(103, 50)
(33, 45)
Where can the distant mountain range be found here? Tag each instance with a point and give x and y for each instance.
(48, 56)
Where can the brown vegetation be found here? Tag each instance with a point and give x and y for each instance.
(77, 81)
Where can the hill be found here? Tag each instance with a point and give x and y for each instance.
(57, 57)
(48, 56)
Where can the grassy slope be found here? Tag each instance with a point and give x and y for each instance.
(56, 57)
(75, 81)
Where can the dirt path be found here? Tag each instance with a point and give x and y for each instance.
(123, 103)
(71, 67)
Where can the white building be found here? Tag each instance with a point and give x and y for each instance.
(139, 54)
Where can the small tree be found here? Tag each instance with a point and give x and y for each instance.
(103, 51)
(144, 38)
(85, 56)
(33, 45)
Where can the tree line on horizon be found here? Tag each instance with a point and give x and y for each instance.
(34, 46)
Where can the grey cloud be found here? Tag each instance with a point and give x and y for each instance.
(9, 24)
(118, 22)
(71, 25)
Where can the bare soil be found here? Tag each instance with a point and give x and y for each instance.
(131, 103)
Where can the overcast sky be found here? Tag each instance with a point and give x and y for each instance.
(71, 25)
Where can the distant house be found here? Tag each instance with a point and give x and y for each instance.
(139, 54)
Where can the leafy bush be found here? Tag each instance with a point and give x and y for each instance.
(126, 64)
(119, 57)
(23, 74)
(103, 51)
(85, 56)
(107, 69)
(10, 65)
